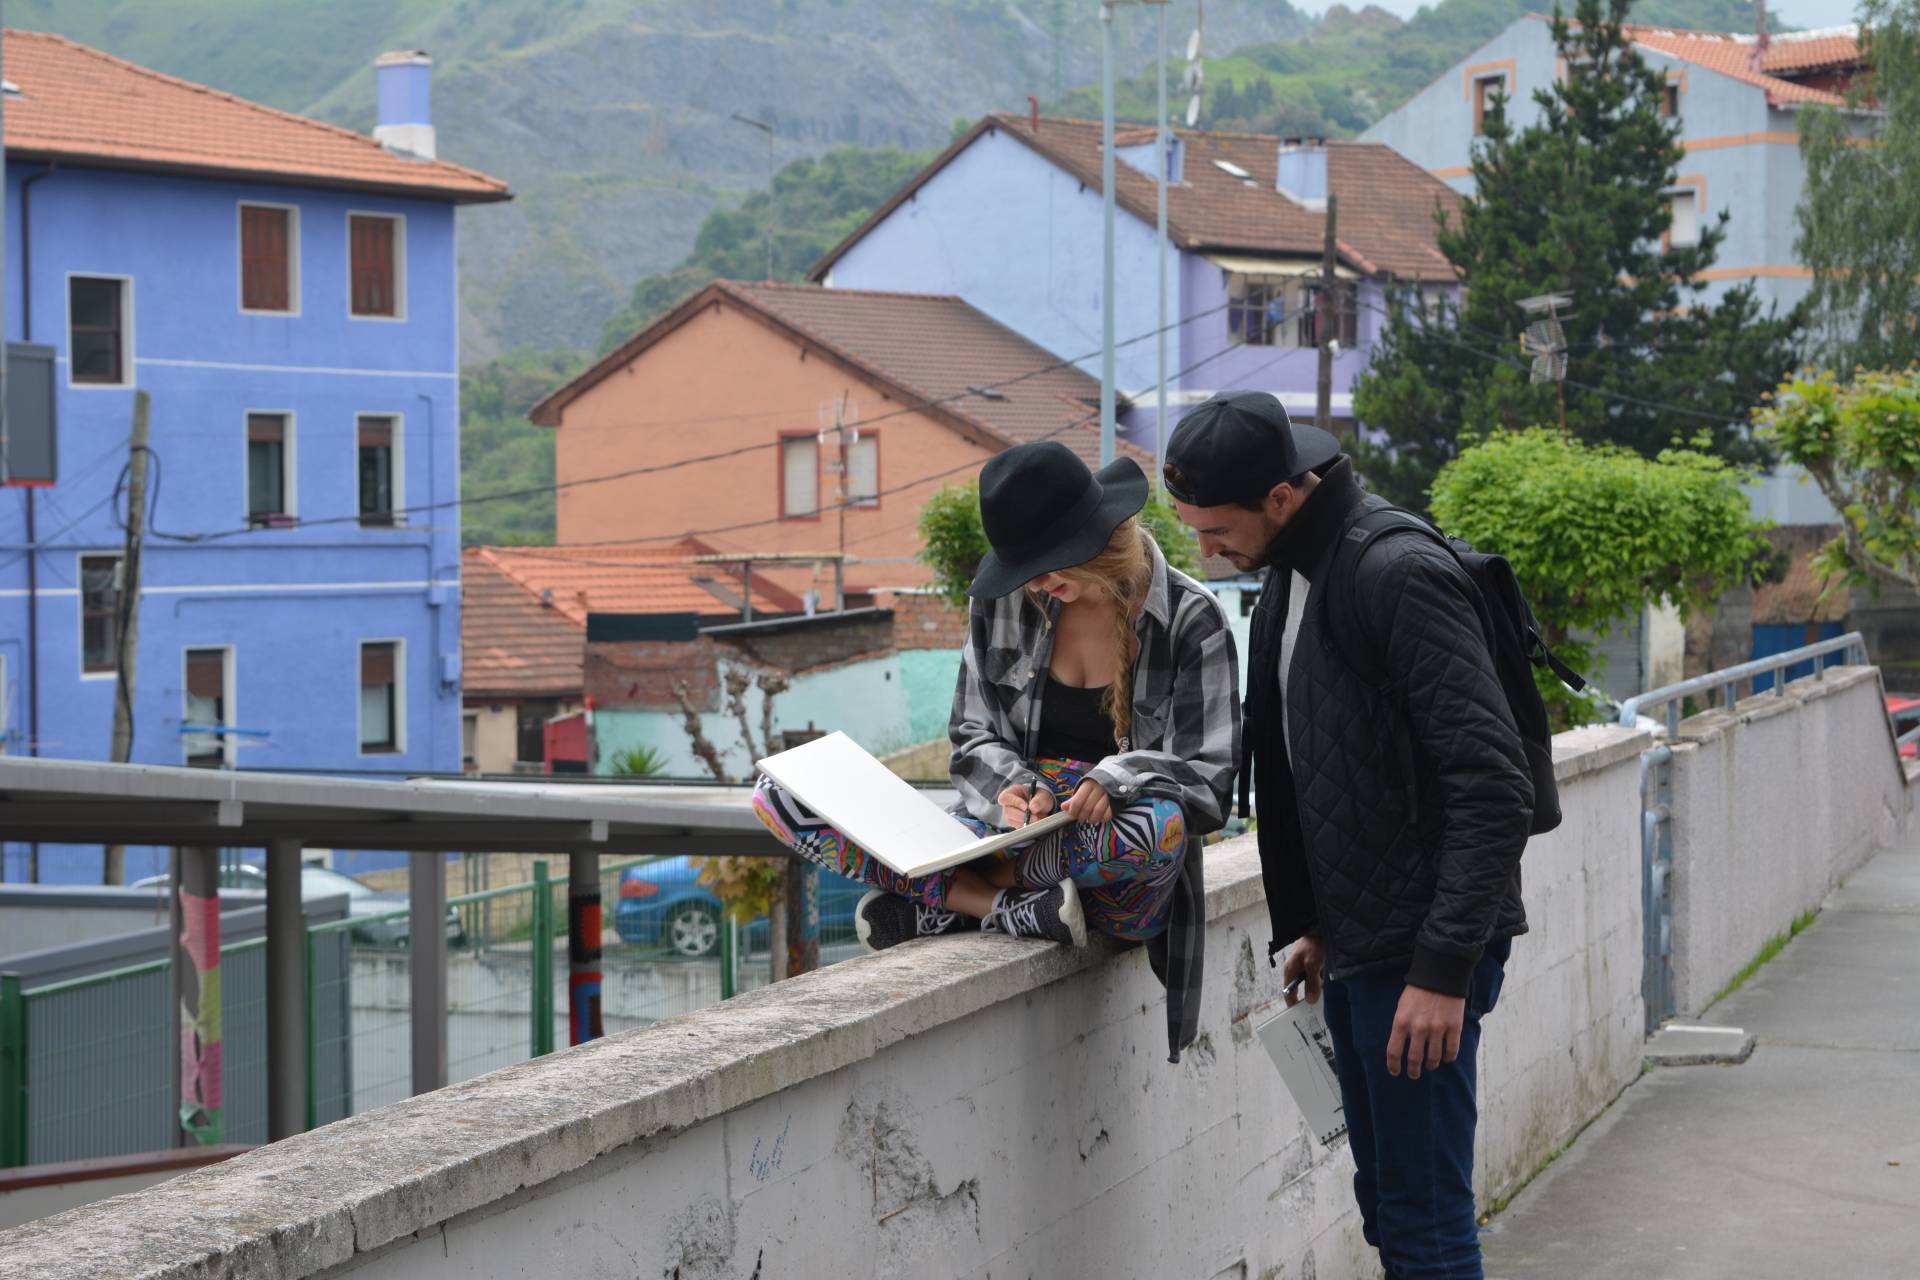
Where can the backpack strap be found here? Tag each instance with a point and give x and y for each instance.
(1366, 526)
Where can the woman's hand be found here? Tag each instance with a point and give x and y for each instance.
(1089, 803)
(1021, 804)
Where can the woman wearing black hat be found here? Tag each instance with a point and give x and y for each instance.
(1094, 677)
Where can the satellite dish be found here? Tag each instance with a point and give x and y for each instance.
(1193, 45)
(1193, 111)
(1229, 167)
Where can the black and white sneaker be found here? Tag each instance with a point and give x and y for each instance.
(1053, 913)
(885, 920)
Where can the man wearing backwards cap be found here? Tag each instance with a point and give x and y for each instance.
(1392, 812)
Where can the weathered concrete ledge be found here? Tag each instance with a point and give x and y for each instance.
(370, 1183)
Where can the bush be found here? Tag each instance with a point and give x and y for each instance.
(1596, 533)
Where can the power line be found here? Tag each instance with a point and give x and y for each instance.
(1440, 335)
(555, 551)
(656, 468)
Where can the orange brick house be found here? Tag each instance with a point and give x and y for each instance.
(735, 416)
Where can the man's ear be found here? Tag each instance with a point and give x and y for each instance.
(1280, 502)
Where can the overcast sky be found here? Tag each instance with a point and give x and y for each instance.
(1798, 13)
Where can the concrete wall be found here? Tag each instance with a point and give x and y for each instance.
(1773, 806)
(867, 699)
(961, 1107)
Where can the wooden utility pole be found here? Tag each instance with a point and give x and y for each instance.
(1325, 319)
(127, 615)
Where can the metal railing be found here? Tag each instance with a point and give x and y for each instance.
(506, 1002)
(1656, 788)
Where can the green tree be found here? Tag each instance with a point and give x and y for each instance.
(821, 199)
(503, 453)
(1576, 204)
(953, 541)
(1860, 441)
(1596, 533)
(1859, 214)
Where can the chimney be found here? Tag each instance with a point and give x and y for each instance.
(1302, 174)
(406, 103)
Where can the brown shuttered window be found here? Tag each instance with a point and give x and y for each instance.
(375, 283)
(266, 258)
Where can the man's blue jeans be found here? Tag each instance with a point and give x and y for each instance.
(1412, 1140)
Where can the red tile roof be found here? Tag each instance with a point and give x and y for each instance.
(524, 609)
(1386, 201)
(1795, 53)
(929, 351)
(82, 106)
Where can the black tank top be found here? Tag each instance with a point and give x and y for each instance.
(1073, 723)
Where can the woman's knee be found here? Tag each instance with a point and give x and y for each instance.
(1154, 830)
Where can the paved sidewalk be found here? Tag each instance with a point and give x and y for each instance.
(1802, 1162)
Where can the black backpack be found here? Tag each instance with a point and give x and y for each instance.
(1512, 634)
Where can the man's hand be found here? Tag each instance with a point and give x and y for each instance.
(1021, 804)
(1088, 803)
(1426, 1029)
(1306, 959)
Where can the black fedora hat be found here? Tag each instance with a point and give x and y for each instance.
(1043, 510)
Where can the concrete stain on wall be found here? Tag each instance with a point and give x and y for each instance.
(701, 1240)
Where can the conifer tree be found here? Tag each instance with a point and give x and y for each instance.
(1578, 203)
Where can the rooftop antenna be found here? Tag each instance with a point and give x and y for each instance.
(1546, 342)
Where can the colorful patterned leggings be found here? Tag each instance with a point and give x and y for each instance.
(1126, 867)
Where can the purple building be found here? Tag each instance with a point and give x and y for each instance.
(1009, 218)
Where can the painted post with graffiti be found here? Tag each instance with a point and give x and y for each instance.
(196, 986)
(803, 917)
(583, 948)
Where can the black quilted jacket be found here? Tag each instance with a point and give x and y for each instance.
(1395, 832)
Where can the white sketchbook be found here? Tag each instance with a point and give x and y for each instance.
(882, 812)
(1299, 1043)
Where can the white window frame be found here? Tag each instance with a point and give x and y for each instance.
(127, 366)
(80, 611)
(229, 665)
(398, 481)
(1692, 194)
(293, 258)
(399, 747)
(289, 459)
(400, 291)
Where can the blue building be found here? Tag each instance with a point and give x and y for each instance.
(285, 293)
(1738, 101)
(1009, 218)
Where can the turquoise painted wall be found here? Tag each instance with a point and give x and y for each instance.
(866, 700)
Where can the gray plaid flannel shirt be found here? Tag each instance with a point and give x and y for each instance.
(1184, 745)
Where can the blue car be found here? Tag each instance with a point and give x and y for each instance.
(664, 904)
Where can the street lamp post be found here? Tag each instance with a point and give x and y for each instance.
(1107, 411)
